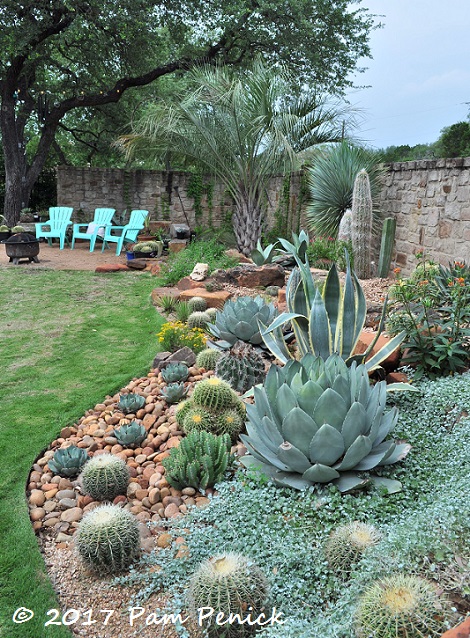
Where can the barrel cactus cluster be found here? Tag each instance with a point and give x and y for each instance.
(213, 407)
(200, 461)
(238, 320)
(317, 421)
(108, 539)
(231, 584)
(241, 366)
(104, 477)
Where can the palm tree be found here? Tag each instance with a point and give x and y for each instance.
(331, 181)
(243, 128)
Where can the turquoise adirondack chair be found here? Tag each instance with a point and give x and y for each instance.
(101, 220)
(125, 233)
(58, 223)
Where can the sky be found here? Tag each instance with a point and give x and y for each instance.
(419, 76)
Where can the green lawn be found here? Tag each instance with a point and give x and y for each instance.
(67, 340)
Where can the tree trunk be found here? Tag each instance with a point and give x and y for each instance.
(247, 225)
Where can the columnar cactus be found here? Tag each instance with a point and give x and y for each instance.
(361, 225)
(232, 584)
(104, 477)
(197, 304)
(199, 461)
(242, 367)
(401, 606)
(344, 230)
(208, 358)
(347, 543)
(108, 539)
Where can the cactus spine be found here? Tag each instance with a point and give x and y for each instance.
(232, 584)
(108, 539)
(242, 367)
(386, 246)
(104, 477)
(361, 225)
(401, 606)
(208, 358)
(347, 543)
(200, 461)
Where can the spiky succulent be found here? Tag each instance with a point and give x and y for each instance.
(175, 372)
(130, 403)
(347, 543)
(68, 461)
(317, 421)
(199, 419)
(197, 304)
(231, 584)
(130, 435)
(108, 539)
(198, 319)
(242, 367)
(208, 358)
(174, 392)
(104, 477)
(200, 461)
(401, 606)
(238, 321)
(212, 312)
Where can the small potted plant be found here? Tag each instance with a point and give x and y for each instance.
(145, 234)
(145, 249)
(5, 232)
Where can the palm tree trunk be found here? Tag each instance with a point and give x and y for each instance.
(247, 224)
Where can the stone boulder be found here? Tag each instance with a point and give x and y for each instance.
(251, 276)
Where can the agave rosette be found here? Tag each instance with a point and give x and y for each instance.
(317, 421)
(238, 321)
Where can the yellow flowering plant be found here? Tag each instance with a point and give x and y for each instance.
(174, 335)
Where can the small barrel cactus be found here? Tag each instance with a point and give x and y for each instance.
(174, 392)
(200, 461)
(130, 435)
(182, 410)
(242, 367)
(199, 419)
(104, 477)
(130, 403)
(198, 319)
(197, 304)
(347, 543)
(400, 606)
(212, 312)
(68, 461)
(208, 358)
(175, 372)
(108, 539)
(213, 394)
(18, 229)
(196, 419)
(232, 584)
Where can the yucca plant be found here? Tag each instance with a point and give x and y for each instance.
(325, 322)
(168, 303)
(317, 421)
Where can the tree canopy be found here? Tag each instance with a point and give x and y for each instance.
(59, 57)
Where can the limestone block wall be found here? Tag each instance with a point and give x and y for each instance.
(430, 200)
